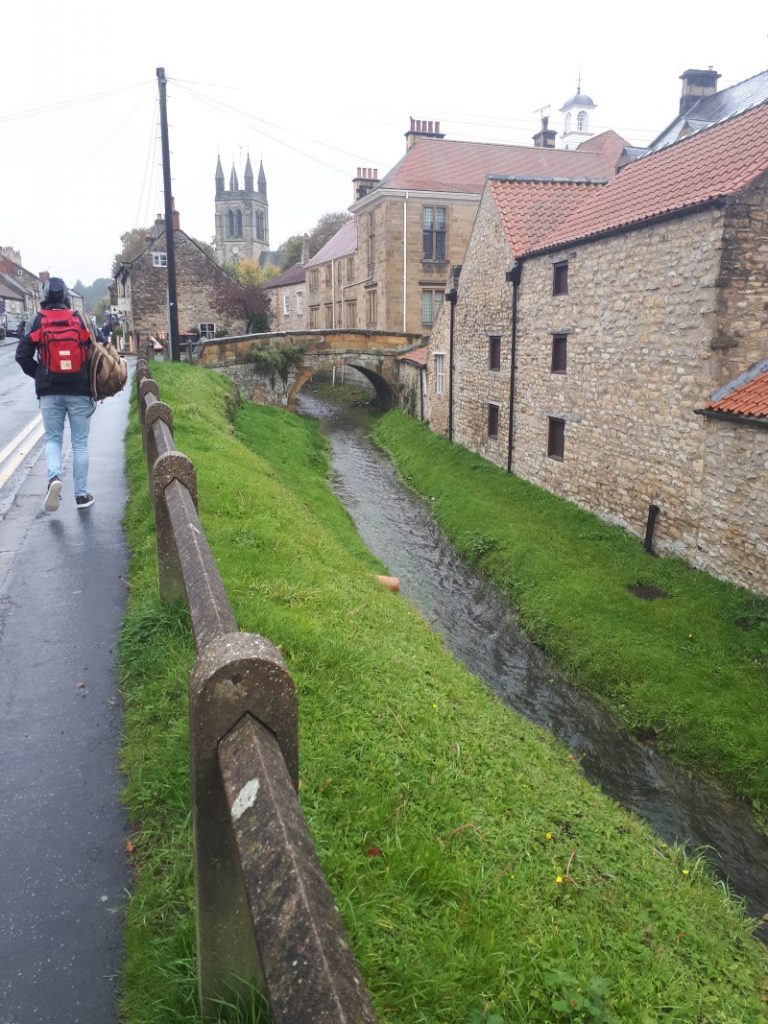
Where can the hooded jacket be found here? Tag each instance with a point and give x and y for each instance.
(28, 358)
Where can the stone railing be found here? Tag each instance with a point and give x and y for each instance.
(265, 914)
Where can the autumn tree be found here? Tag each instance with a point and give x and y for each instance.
(240, 294)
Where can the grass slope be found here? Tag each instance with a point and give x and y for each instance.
(480, 878)
(690, 669)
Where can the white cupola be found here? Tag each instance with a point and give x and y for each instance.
(577, 119)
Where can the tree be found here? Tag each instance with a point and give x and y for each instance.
(322, 232)
(249, 302)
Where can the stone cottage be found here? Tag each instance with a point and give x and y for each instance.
(141, 287)
(596, 330)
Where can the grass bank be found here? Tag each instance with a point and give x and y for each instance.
(480, 878)
(687, 671)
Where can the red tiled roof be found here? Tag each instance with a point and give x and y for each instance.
(343, 243)
(531, 210)
(749, 400)
(418, 356)
(442, 165)
(711, 164)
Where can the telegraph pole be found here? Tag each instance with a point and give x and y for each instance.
(170, 246)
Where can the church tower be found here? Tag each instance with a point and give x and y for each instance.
(576, 123)
(242, 215)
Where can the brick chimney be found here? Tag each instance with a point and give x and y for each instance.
(422, 130)
(6, 267)
(695, 85)
(366, 181)
(545, 138)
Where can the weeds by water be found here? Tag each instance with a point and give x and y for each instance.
(690, 665)
(480, 878)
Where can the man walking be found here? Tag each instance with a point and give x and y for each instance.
(55, 351)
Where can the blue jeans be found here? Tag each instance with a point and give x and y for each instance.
(79, 409)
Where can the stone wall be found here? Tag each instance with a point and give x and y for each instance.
(196, 279)
(655, 319)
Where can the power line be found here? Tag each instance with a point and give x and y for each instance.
(70, 103)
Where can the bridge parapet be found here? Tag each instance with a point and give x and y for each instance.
(225, 351)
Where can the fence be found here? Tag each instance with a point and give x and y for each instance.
(265, 915)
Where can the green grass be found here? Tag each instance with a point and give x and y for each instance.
(690, 668)
(480, 878)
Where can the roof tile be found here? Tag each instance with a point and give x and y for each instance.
(749, 400)
(716, 162)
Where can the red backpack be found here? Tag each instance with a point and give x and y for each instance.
(63, 342)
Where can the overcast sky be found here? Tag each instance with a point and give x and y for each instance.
(315, 90)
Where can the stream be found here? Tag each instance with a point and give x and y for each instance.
(482, 631)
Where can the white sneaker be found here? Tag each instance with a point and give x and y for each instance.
(53, 497)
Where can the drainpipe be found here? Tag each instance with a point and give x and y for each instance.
(421, 393)
(405, 263)
(513, 276)
(451, 296)
(333, 294)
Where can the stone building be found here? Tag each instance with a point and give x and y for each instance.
(593, 322)
(242, 216)
(331, 282)
(287, 294)
(141, 287)
(414, 223)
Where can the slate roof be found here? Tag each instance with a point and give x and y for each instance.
(745, 398)
(719, 106)
(343, 243)
(293, 275)
(717, 162)
(531, 209)
(442, 165)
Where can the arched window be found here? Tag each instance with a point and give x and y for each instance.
(568, 121)
(239, 223)
(260, 224)
(230, 224)
(581, 121)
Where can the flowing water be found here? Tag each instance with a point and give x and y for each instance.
(481, 629)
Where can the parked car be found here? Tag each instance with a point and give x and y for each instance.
(13, 324)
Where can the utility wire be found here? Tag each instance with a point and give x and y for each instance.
(70, 103)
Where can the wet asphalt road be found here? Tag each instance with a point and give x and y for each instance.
(63, 871)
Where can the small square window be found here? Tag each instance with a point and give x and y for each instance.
(159, 259)
(560, 279)
(559, 352)
(493, 420)
(207, 330)
(494, 353)
(556, 439)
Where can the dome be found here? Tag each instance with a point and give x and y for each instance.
(579, 100)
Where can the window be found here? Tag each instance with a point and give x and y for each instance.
(370, 313)
(433, 233)
(431, 301)
(207, 330)
(560, 278)
(559, 350)
(493, 419)
(328, 280)
(261, 225)
(581, 121)
(350, 313)
(350, 270)
(556, 438)
(328, 315)
(286, 304)
(494, 353)
(314, 318)
(300, 303)
(439, 373)
(568, 121)
(313, 280)
(371, 244)
(230, 223)
(159, 259)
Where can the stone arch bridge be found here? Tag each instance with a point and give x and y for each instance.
(273, 368)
